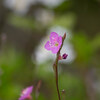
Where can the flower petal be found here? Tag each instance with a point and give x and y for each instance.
(27, 92)
(59, 40)
(55, 49)
(47, 46)
(53, 37)
(23, 97)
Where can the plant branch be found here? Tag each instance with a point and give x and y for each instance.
(55, 66)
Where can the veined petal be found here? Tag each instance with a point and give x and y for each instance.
(53, 37)
(59, 40)
(55, 49)
(47, 46)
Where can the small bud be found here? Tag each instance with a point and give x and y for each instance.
(64, 56)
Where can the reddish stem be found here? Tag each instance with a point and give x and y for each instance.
(55, 66)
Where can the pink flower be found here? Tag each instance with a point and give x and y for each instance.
(26, 93)
(55, 43)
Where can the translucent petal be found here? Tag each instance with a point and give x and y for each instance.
(47, 46)
(26, 93)
(55, 49)
(53, 37)
(59, 40)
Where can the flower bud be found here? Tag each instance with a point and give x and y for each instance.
(64, 56)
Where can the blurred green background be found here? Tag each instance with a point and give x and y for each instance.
(25, 26)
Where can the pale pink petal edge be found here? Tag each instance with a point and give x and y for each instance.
(53, 35)
(47, 45)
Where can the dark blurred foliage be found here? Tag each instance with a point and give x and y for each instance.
(20, 34)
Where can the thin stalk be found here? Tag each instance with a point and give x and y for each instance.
(37, 90)
(55, 66)
(57, 83)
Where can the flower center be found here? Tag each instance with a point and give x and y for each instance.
(56, 44)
